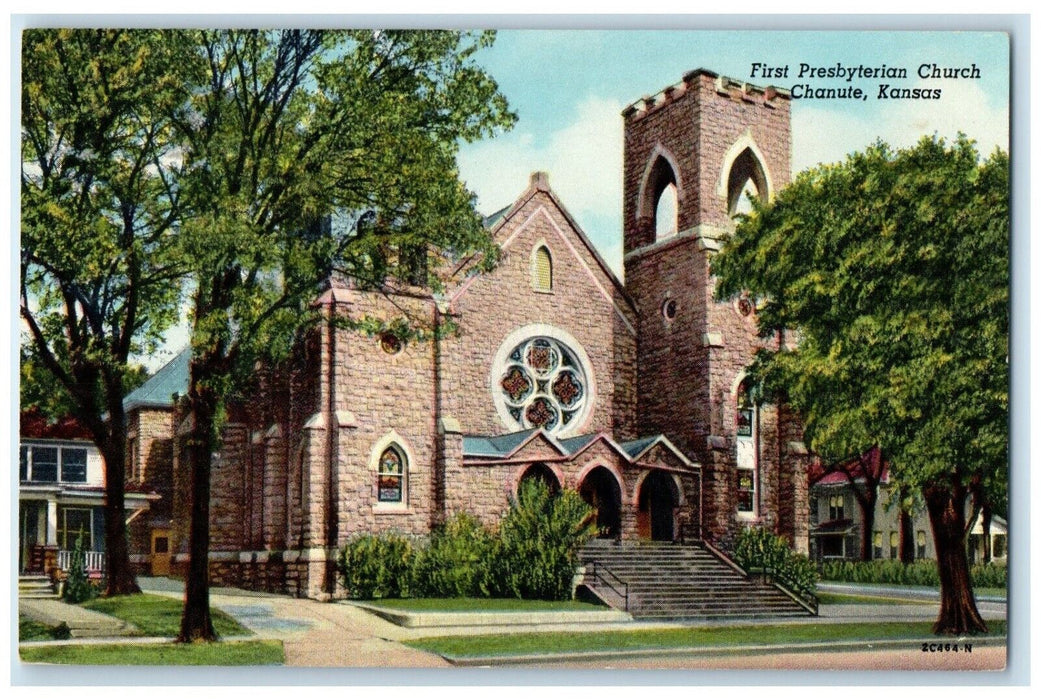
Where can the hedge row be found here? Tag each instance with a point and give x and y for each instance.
(756, 549)
(919, 573)
(532, 554)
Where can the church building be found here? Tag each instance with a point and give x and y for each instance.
(549, 367)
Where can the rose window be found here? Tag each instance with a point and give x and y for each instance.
(543, 385)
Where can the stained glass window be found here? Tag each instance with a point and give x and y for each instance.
(543, 385)
(746, 490)
(391, 476)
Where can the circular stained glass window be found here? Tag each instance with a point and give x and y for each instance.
(543, 385)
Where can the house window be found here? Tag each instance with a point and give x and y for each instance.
(876, 544)
(543, 385)
(894, 544)
(920, 544)
(998, 546)
(836, 508)
(542, 270)
(43, 464)
(390, 480)
(74, 464)
(72, 522)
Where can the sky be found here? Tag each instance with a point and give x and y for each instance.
(568, 89)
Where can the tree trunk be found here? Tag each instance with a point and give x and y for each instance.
(906, 537)
(119, 575)
(958, 613)
(867, 521)
(196, 623)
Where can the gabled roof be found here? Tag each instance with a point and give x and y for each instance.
(641, 446)
(540, 183)
(855, 468)
(495, 445)
(505, 446)
(637, 447)
(158, 391)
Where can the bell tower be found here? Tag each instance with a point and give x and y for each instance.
(694, 153)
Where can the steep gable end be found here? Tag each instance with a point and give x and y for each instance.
(559, 236)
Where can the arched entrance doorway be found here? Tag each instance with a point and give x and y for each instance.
(656, 507)
(543, 474)
(600, 489)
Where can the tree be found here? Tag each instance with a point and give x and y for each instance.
(289, 129)
(98, 206)
(893, 268)
(864, 474)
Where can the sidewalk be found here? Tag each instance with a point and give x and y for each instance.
(82, 623)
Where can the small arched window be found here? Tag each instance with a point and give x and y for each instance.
(542, 270)
(392, 473)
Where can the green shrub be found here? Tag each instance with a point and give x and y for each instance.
(376, 566)
(536, 551)
(456, 561)
(989, 576)
(78, 586)
(756, 549)
(922, 572)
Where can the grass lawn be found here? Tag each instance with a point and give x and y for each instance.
(847, 599)
(158, 616)
(564, 642)
(245, 653)
(482, 605)
(33, 631)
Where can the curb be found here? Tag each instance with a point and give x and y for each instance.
(749, 649)
(414, 620)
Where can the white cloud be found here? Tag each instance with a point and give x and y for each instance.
(584, 163)
(822, 135)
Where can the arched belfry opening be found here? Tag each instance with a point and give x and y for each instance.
(661, 198)
(747, 179)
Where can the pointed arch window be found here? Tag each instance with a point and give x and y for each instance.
(391, 476)
(542, 270)
(747, 452)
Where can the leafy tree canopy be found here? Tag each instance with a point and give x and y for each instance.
(889, 273)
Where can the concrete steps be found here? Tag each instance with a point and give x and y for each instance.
(36, 588)
(671, 581)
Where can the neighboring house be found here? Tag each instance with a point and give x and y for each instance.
(61, 496)
(632, 394)
(836, 522)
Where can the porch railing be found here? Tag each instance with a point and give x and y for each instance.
(92, 561)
